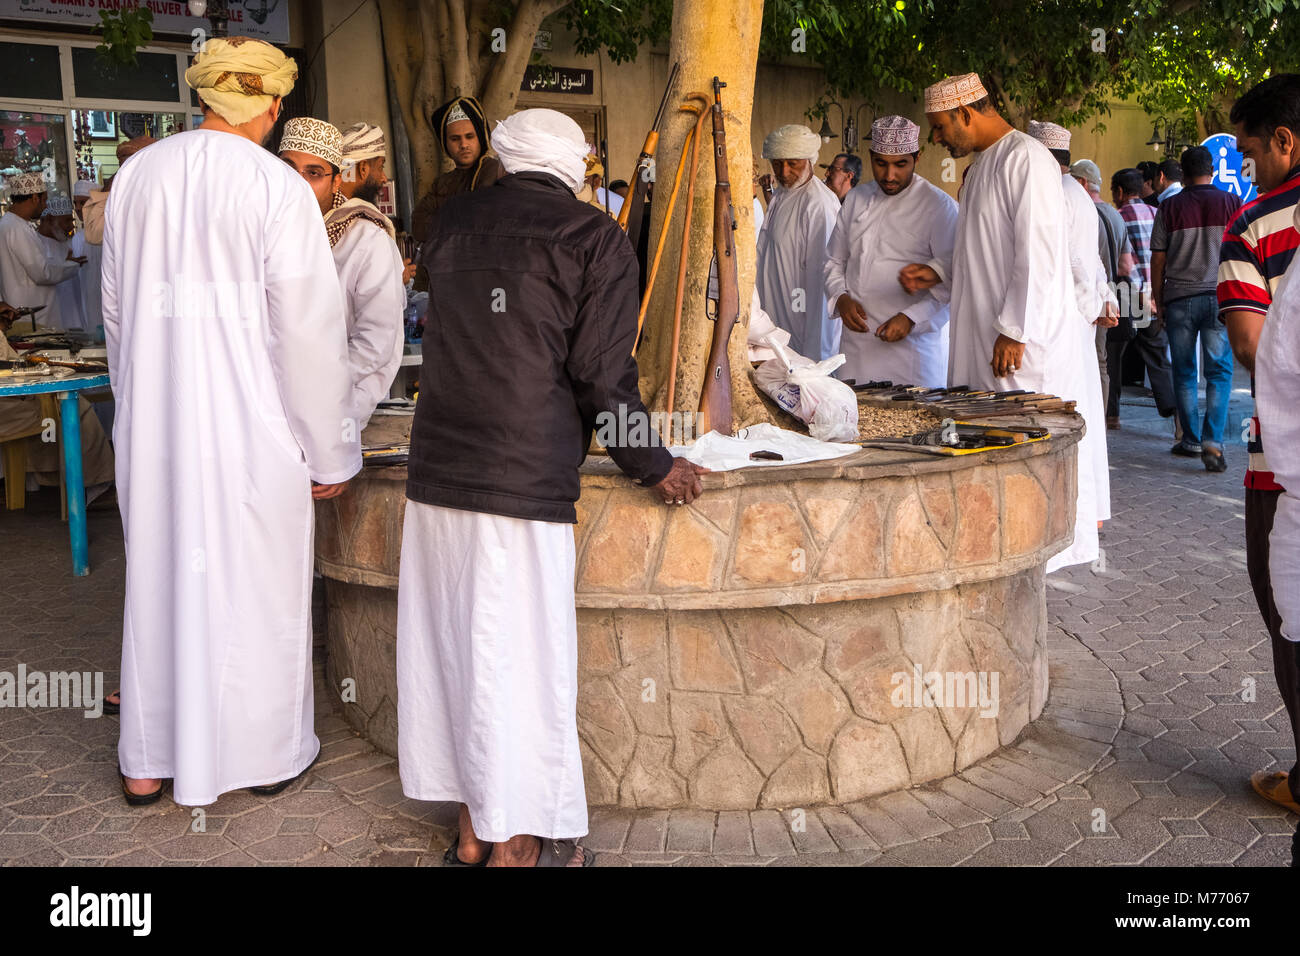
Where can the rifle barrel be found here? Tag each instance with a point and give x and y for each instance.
(629, 217)
(668, 88)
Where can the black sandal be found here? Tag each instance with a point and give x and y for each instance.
(452, 855)
(560, 852)
(109, 706)
(140, 799)
(271, 789)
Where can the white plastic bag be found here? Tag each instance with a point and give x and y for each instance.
(807, 391)
(760, 327)
(727, 452)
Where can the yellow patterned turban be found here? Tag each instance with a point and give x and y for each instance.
(238, 76)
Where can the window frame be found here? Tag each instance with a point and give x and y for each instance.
(71, 101)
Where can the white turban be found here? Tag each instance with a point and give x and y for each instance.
(792, 142)
(363, 141)
(544, 141)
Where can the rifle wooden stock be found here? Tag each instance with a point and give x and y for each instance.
(629, 217)
(715, 396)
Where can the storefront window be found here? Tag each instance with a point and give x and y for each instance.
(30, 71)
(75, 135)
(97, 133)
(35, 142)
(152, 78)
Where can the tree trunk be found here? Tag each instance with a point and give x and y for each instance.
(708, 38)
(437, 49)
(416, 79)
(504, 73)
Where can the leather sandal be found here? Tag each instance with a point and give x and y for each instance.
(271, 789)
(560, 852)
(452, 855)
(109, 706)
(140, 799)
(1275, 788)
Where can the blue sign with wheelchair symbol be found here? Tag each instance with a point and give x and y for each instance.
(1228, 173)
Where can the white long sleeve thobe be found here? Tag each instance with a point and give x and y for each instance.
(875, 236)
(792, 263)
(1091, 290)
(27, 274)
(92, 302)
(1011, 276)
(1277, 396)
(370, 274)
(65, 309)
(228, 355)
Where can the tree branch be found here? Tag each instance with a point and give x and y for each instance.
(501, 84)
(460, 81)
(478, 30)
(431, 68)
(411, 72)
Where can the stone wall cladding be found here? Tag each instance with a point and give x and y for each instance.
(740, 709)
(741, 653)
(361, 642)
(819, 539)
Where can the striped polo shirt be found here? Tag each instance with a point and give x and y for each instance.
(1189, 230)
(1257, 249)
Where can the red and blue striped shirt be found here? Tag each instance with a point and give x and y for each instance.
(1257, 248)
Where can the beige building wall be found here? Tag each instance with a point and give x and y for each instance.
(351, 86)
(347, 75)
(627, 94)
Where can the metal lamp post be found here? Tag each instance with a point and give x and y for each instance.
(217, 12)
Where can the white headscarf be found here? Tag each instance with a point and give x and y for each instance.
(363, 141)
(792, 142)
(544, 141)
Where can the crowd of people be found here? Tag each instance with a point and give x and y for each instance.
(1033, 281)
(252, 331)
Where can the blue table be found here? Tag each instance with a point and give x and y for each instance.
(65, 390)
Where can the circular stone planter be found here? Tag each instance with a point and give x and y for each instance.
(800, 635)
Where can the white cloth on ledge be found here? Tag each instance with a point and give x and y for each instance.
(719, 452)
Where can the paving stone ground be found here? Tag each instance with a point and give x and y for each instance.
(1142, 756)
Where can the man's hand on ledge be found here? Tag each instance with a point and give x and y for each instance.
(682, 485)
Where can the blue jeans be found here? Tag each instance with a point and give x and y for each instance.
(1184, 320)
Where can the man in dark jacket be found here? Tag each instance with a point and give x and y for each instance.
(532, 316)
